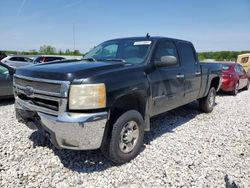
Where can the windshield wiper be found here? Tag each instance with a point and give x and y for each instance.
(121, 60)
(89, 59)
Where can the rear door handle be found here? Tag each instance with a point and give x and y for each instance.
(180, 76)
(197, 73)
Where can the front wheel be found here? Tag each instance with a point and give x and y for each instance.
(126, 138)
(207, 103)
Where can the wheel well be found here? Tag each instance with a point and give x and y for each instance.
(125, 103)
(136, 101)
(215, 83)
(121, 105)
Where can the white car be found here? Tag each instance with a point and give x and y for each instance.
(17, 61)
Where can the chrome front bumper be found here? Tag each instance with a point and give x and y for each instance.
(77, 131)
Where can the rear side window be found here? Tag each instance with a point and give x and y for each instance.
(48, 59)
(14, 58)
(186, 53)
(37, 60)
(27, 60)
(165, 48)
(241, 69)
(244, 60)
(237, 68)
(22, 59)
(18, 59)
(225, 67)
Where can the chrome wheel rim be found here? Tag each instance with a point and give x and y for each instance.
(129, 136)
(211, 100)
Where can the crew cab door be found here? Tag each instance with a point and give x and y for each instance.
(192, 70)
(167, 82)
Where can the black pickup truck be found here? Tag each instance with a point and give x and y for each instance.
(107, 99)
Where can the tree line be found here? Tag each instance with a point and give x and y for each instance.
(45, 49)
(50, 50)
(221, 55)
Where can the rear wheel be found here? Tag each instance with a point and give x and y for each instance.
(126, 138)
(207, 103)
(247, 86)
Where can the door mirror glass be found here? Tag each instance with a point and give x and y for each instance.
(11, 71)
(166, 54)
(167, 61)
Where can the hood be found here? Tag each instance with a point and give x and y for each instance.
(67, 71)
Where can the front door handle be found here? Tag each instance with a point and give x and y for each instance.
(197, 73)
(180, 76)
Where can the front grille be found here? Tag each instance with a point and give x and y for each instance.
(45, 103)
(42, 86)
(48, 96)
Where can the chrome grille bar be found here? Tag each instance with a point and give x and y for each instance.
(40, 87)
(37, 84)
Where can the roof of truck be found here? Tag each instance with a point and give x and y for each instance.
(149, 38)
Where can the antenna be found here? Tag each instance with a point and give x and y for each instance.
(147, 36)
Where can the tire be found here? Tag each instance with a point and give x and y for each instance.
(236, 89)
(248, 72)
(126, 138)
(207, 103)
(247, 86)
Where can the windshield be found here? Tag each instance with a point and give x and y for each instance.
(124, 50)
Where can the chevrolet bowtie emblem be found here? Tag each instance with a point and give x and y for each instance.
(29, 90)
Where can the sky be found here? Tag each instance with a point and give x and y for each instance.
(211, 25)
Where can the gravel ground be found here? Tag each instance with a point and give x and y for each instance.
(185, 148)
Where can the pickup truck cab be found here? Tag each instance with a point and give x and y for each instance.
(107, 99)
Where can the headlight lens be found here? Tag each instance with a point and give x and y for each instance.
(87, 96)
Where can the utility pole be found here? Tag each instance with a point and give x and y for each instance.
(74, 37)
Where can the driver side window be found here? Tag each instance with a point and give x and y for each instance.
(165, 48)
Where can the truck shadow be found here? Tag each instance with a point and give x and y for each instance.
(5, 102)
(79, 161)
(167, 122)
(228, 94)
(224, 94)
(94, 161)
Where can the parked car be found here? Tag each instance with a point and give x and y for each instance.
(44, 59)
(244, 60)
(234, 78)
(106, 101)
(16, 61)
(6, 81)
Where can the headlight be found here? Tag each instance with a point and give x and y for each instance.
(87, 96)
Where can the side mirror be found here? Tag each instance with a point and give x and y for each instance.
(167, 61)
(12, 71)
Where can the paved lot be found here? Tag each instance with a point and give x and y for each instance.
(185, 148)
